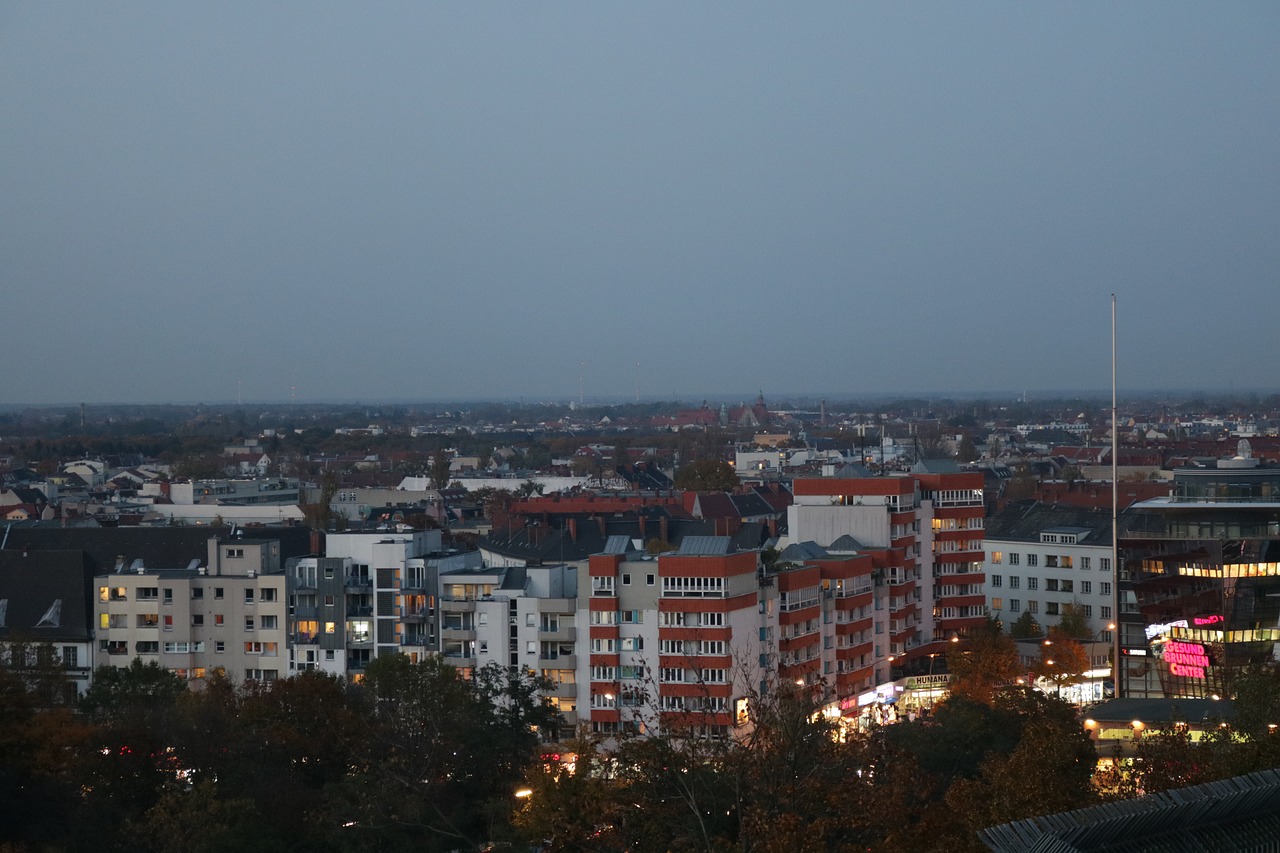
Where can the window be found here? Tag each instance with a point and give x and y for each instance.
(1104, 587)
(1051, 608)
(997, 557)
(997, 580)
(626, 579)
(168, 595)
(1051, 585)
(713, 676)
(1088, 610)
(1033, 559)
(197, 619)
(997, 604)
(711, 647)
(1066, 586)
(330, 627)
(649, 580)
(1033, 583)
(1015, 606)
(1085, 562)
(603, 645)
(604, 617)
(219, 646)
(1051, 561)
(197, 592)
(70, 656)
(248, 623)
(328, 601)
(168, 622)
(1105, 611)
(1013, 558)
(1104, 564)
(217, 620)
(268, 594)
(248, 596)
(269, 623)
(531, 647)
(1086, 587)
(1014, 581)
(632, 617)
(1033, 606)
(146, 593)
(217, 592)
(1064, 561)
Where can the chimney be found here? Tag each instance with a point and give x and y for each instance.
(662, 528)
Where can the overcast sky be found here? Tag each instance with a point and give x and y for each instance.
(376, 201)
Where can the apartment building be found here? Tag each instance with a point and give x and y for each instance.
(370, 594)
(1042, 558)
(924, 533)
(673, 642)
(521, 617)
(227, 614)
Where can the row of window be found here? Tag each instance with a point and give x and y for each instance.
(1051, 561)
(1052, 584)
(152, 593)
(108, 621)
(1051, 608)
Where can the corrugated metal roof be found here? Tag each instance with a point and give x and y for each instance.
(704, 546)
(617, 545)
(1241, 813)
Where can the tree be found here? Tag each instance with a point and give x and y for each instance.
(444, 754)
(440, 464)
(1063, 659)
(966, 451)
(1073, 623)
(1025, 627)
(985, 661)
(707, 475)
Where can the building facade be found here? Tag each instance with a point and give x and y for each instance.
(1199, 581)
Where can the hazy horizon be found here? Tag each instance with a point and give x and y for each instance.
(265, 202)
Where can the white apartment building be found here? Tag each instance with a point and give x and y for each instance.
(1040, 559)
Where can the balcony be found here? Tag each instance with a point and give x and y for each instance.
(357, 582)
(413, 614)
(301, 639)
(415, 640)
(558, 661)
(564, 633)
(359, 609)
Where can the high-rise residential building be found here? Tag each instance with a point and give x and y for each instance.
(675, 641)
(371, 594)
(924, 532)
(1199, 580)
(228, 614)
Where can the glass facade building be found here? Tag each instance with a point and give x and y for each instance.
(1198, 588)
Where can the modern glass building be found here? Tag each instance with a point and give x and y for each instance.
(1198, 591)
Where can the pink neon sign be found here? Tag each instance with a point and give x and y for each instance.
(1186, 659)
(1206, 620)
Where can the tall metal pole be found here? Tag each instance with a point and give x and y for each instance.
(1115, 517)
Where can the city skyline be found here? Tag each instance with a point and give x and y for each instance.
(265, 203)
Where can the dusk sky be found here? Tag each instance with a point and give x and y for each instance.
(418, 201)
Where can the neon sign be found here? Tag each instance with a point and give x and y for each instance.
(1206, 620)
(1186, 659)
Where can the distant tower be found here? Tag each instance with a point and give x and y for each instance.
(822, 413)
